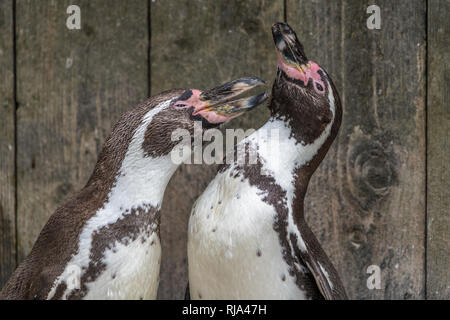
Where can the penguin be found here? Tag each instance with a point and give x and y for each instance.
(103, 242)
(247, 235)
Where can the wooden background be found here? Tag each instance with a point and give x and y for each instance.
(386, 199)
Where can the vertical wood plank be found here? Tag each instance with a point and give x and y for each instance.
(200, 44)
(438, 109)
(366, 202)
(72, 87)
(7, 144)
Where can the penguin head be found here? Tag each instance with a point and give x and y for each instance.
(192, 108)
(220, 104)
(303, 91)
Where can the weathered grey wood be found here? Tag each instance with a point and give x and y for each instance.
(438, 153)
(200, 44)
(7, 145)
(366, 203)
(72, 87)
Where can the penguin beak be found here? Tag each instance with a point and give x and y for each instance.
(222, 103)
(290, 50)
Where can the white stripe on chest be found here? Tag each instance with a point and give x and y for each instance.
(140, 182)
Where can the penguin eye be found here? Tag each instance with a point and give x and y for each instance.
(319, 88)
(180, 105)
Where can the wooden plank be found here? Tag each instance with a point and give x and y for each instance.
(438, 153)
(366, 202)
(7, 145)
(72, 87)
(200, 44)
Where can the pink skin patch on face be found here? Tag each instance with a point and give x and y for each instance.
(191, 102)
(214, 117)
(200, 108)
(310, 71)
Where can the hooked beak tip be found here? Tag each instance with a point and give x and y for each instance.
(287, 44)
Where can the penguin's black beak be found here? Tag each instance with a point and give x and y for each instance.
(290, 49)
(293, 63)
(226, 102)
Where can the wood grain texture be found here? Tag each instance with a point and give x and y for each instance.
(72, 87)
(201, 44)
(366, 202)
(7, 145)
(438, 204)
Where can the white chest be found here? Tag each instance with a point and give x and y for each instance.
(132, 271)
(128, 269)
(233, 249)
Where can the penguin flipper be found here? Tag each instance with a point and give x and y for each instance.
(323, 271)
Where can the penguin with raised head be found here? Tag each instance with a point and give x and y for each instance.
(247, 236)
(103, 242)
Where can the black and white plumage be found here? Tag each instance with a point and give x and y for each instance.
(103, 242)
(247, 236)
